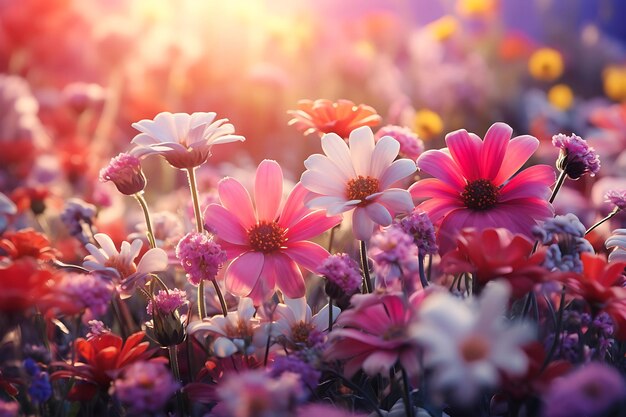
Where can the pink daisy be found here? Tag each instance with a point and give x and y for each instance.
(270, 241)
(359, 176)
(475, 184)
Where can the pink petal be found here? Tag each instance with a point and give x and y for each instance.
(323, 164)
(235, 198)
(243, 273)
(311, 225)
(154, 260)
(294, 208)
(396, 200)
(450, 228)
(436, 208)
(322, 183)
(519, 151)
(385, 151)
(398, 170)
(432, 187)
(536, 208)
(494, 149)
(266, 284)
(337, 150)
(225, 224)
(288, 276)
(362, 225)
(440, 165)
(379, 362)
(268, 190)
(531, 182)
(466, 150)
(307, 254)
(379, 214)
(361, 147)
(106, 244)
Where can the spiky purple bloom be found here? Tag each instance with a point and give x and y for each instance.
(125, 172)
(577, 157)
(411, 146)
(309, 376)
(89, 291)
(144, 387)
(617, 198)
(564, 236)
(343, 272)
(200, 257)
(418, 225)
(96, 328)
(76, 216)
(588, 391)
(9, 409)
(394, 253)
(40, 389)
(167, 301)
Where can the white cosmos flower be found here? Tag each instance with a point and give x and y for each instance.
(468, 345)
(184, 140)
(121, 264)
(359, 177)
(617, 241)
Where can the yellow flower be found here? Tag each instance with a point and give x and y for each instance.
(476, 8)
(614, 78)
(427, 124)
(546, 64)
(561, 96)
(443, 28)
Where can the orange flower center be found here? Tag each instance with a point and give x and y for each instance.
(122, 266)
(480, 195)
(300, 332)
(361, 187)
(474, 348)
(266, 236)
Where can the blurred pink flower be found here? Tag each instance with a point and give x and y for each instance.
(359, 176)
(184, 140)
(475, 184)
(269, 242)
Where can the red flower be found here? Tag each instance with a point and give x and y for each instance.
(27, 243)
(105, 357)
(23, 283)
(324, 116)
(496, 254)
(32, 198)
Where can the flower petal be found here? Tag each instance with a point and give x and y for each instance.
(337, 150)
(307, 254)
(154, 260)
(379, 214)
(268, 190)
(465, 150)
(226, 225)
(311, 225)
(531, 182)
(243, 273)
(385, 151)
(224, 347)
(432, 187)
(361, 147)
(396, 200)
(294, 208)
(441, 166)
(362, 225)
(235, 198)
(288, 276)
(494, 149)
(106, 243)
(398, 170)
(519, 151)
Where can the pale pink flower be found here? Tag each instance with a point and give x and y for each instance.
(184, 140)
(270, 241)
(359, 177)
(120, 265)
(475, 184)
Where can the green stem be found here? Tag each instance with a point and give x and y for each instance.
(557, 187)
(146, 214)
(608, 217)
(200, 228)
(221, 297)
(367, 280)
(557, 331)
(330, 314)
(408, 407)
(176, 371)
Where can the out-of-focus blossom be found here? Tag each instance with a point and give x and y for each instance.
(565, 238)
(200, 256)
(427, 123)
(31, 198)
(9, 409)
(26, 243)
(374, 336)
(411, 146)
(617, 244)
(616, 198)
(73, 293)
(40, 389)
(237, 332)
(476, 8)
(418, 225)
(82, 96)
(576, 157)
(546, 64)
(324, 116)
(342, 274)
(184, 140)
(120, 265)
(309, 376)
(78, 215)
(595, 389)
(144, 387)
(475, 184)
(167, 227)
(494, 254)
(23, 283)
(7, 208)
(395, 257)
(96, 328)
(316, 410)
(561, 96)
(125, 172)
(270, 240)
(613, 82)
(359, 177)
(469, 347)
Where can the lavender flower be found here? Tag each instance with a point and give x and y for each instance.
(394, 253)
(617, 198)
(411, 146)
(200, 257)
(88, 291)
(343, 275)
(96, 328)
(309, 376)
(167, 301)
(418, 225)
(125, 172)
(78, 215)
(577, 157)
(564, 236)
(145, 387)
(40, 389)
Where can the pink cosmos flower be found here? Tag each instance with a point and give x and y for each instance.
(184, 140)
(359, 177)
(270, 241)
(475, 184)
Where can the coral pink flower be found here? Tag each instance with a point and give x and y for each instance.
(359, 177)
(474, 184)
(270, 241)
(324, 116)
(184, 140)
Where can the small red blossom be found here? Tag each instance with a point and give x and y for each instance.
(30, 198)
(23, 283)
(27, 243)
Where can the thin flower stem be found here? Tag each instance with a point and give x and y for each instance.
(557, 187)
(331, 238)
(176, 371)
(330, 314)
(356, 388)
(193, 188)
(408, 406)
(608, 217)
(367, 280)
(146, 214)
(423, 278)
(221, 297)
(557, 331)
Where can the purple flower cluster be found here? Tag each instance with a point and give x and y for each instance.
(394, 253)
(200, 257)
(90, 291)
(411, 146)
(78, 215)
(309, 376)
(616, 198)
(418, 225)
(342, 272)
(96, 328)
(577, 157)
(167, 301)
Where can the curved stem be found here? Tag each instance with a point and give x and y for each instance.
(608, 217)
(330, 314)
(557, 331)
(193, 188)
(146, 214)
(176, 371)
(557, 187)
(423, 278)
(367, 280)
(221, 297)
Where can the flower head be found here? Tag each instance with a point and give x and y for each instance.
(324, 116)
(144, 387)
(546, 64)
(565, 238)
(395, 256)
(96, 328)
(200, 256)
(617, 242)
(617, 198)
(342, 274)
(73, 293)
(475, 186)
(418, 225)
(40, 389)
(359, 177)
(270, 240)
(9, 409)
(78, 215)
(309, 376)
(184, 140)
(125, 172)
(27, 243)
(167, 301)
(411, 146)
(576, 157)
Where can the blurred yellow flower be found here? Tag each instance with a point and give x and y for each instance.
(443, 28)
(614, 78)
(546, 64)
(476, 8)
(561, 96)
(427, 124)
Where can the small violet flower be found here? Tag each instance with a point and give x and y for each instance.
(167, 301)
(617, 198)
(342, 274)
(411, 146)
(200, 257)
(125, 172)
(577, 157)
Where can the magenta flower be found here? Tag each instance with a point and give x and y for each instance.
(270, 241)
(125, 172)
(475, 184)
(200, 257)
(576, 157)
(616, 198)
(167, 301)
(411, 146)
(359, 178)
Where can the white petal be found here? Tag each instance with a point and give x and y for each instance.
(379, 214)
(337, 150)
(298, 306)
(224, 347)
(322, 163)
(155, 260)
(400, 169)
(106, 244)
(361, 148)
(397, 200)
(322, 184)
(385, 152)
(362, 225)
